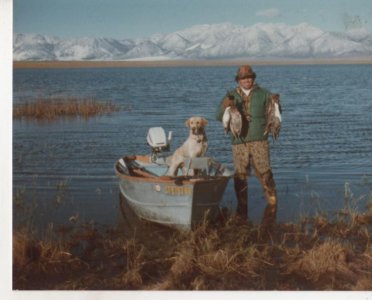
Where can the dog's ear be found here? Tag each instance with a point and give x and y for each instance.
(204, 121)
(187, 123)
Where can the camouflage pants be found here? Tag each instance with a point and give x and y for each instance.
(255, 153)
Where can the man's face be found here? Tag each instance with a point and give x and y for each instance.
(246, 83)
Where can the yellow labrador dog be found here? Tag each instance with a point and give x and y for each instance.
(195, 146)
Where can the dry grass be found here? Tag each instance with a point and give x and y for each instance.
(41, 260)
(51, 108)
(328, 260)
(316, 254)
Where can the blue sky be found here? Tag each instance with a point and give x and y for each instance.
(142, 18)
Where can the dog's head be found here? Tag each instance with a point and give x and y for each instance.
(196, 125)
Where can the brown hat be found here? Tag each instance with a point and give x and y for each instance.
(245, 72)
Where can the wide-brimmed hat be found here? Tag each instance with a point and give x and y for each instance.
(245, 72)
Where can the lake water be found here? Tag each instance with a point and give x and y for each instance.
(65, 168)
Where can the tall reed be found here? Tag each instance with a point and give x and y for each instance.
(51, 108)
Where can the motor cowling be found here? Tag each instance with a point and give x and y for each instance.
(158, 140)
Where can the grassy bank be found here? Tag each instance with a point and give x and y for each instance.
(51, 108)
(315, 254)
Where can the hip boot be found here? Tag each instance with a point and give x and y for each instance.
(241, 191)
(269, 216)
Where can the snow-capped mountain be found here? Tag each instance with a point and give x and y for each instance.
(218, 41)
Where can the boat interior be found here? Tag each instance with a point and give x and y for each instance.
(143, 166)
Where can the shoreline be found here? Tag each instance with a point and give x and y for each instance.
(181, 63)
(316, 254)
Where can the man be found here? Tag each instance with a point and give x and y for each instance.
(251, 148)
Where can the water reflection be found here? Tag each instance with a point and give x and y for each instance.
(135, 227)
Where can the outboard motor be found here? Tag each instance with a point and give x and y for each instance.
(159, 143)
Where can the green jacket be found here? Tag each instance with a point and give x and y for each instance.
(253, 110)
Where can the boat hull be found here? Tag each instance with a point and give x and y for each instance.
(177, 202)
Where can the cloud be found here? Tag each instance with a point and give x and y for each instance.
(269, 13)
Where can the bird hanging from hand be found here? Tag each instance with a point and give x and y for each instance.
(232, 120)
(273, 116)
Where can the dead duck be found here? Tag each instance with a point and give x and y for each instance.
(232, 121)
(226, 118)
(273, 116)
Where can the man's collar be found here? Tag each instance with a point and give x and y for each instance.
(241, 92)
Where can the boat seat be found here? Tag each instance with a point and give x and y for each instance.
(153, 168)
(197, 163)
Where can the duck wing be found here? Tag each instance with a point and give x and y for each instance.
(273, 117)
(236, 122)
(226, 119)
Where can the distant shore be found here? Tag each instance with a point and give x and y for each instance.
(179, 63)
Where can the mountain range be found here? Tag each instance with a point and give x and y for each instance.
(217, 41)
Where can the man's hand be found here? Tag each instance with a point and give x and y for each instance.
(228, 101)
(275, 97)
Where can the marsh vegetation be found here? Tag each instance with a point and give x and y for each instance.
(317, 253)
(51, 108)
